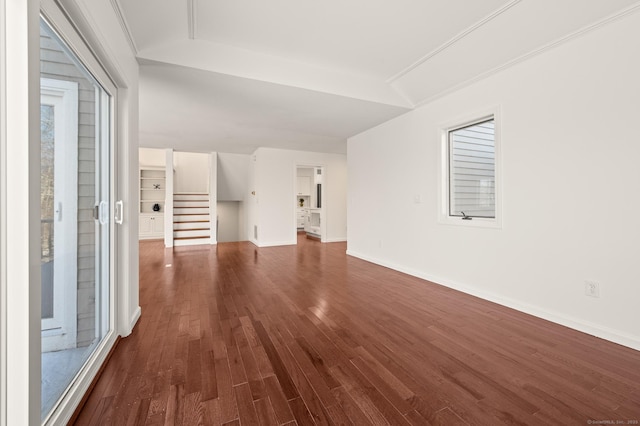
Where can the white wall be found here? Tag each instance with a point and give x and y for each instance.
(151, 157)
(231, 226)
(19, 214)
(305, 171)
(191, 172)
(273, 207)
(570, 179)
(251, 204)
(212, 172)
(233, 175)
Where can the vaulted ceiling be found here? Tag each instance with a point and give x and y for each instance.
(231, 76)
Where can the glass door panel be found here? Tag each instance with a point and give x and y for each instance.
(76, 224)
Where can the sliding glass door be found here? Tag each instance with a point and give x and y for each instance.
(76, 215)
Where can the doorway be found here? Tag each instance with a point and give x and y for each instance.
(231, 222)
(310, 201)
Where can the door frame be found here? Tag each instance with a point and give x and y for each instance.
(323, 192)
(58, 20)
(20, 322)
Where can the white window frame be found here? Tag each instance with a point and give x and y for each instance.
(444, 217)
(59, 21)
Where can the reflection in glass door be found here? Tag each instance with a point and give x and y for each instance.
(76, 215)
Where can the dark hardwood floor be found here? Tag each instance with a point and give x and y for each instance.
(234, 334)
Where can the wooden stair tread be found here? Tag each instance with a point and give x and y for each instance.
(192, 221)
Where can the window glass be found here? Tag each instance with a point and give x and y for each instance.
(472, 171)
(75, 225)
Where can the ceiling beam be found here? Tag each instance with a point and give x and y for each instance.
(191, 16)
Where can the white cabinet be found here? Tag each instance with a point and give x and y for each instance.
(312, 224)
(302, 217)
(151, 226)
(303, 185)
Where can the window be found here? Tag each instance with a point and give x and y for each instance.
(471, 172)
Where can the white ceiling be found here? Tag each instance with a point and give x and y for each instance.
(301, 74)
(211, 111)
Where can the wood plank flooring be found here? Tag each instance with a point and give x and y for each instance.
(303, 335)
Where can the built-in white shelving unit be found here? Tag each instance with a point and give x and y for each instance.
(152, 194)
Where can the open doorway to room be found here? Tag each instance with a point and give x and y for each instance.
(230, 224)
(310, 201)
(232, 192)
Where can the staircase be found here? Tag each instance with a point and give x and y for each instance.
(191, 219)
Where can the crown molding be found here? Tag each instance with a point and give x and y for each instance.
(453, 40)
(125, 26)
(551, 45)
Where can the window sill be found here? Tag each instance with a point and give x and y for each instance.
(476, 222)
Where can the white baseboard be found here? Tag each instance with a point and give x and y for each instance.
(335, 240)
(277, 243)
(134, 319)
(293, 242)
(597, 330)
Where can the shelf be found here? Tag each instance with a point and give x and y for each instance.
(149, 196)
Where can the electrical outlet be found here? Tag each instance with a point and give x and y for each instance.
(380, 243)
(592, 288)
